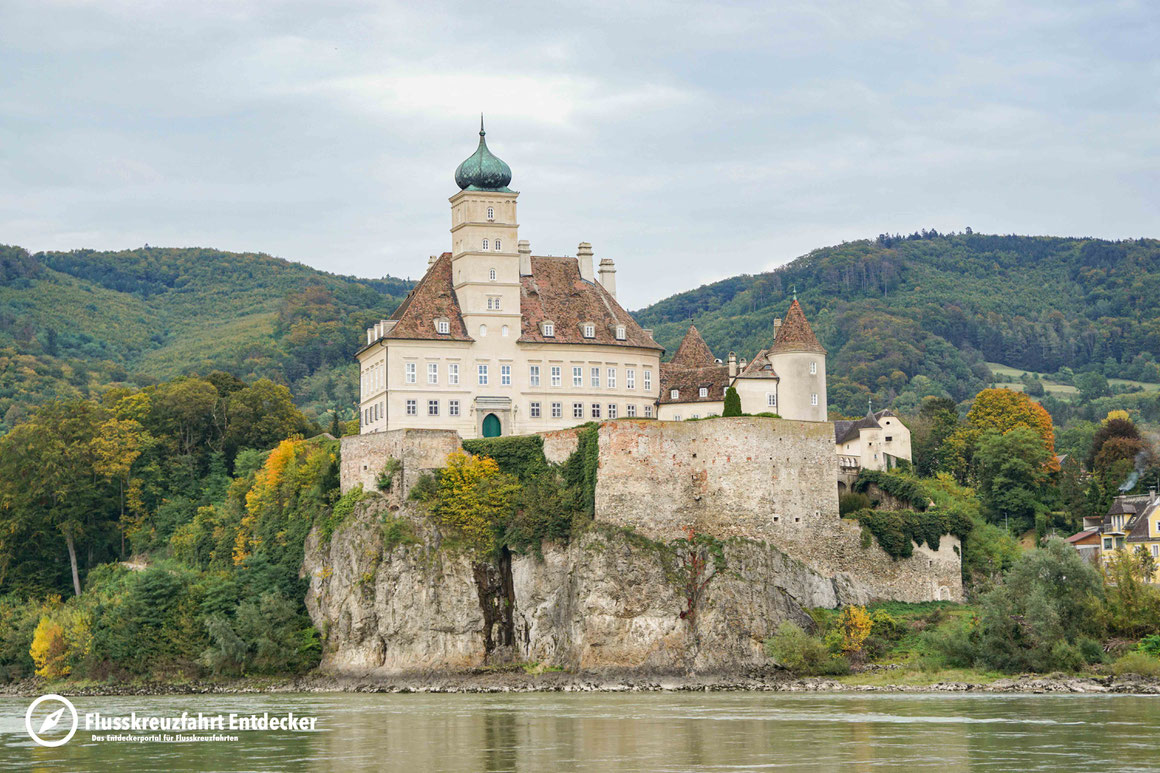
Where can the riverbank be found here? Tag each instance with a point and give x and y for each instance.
(518, 680)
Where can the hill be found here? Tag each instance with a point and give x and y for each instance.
(74, 323)
(904, 317)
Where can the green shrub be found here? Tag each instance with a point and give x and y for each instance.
(732, 403)
(328, 523)
(1137, 663)
(802, 654)
(397, 531)
(1150, 645)
(386, 477)
(885, 625)
(901, 487)
(852, 503)
(898, 530)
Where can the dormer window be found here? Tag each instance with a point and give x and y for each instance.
(675, 394)
(485, 244)
(548, 329)
(703, 392)
(491, 213)
(491, 273)
(589, 330)
(620, 332)
(442, 326)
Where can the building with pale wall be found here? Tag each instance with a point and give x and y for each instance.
(877, 441)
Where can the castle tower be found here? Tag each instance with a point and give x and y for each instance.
(799, 361)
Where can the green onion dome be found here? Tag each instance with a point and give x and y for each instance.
(482, 171)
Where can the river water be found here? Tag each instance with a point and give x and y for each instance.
(422, 733)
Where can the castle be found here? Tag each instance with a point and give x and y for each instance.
(497, 341)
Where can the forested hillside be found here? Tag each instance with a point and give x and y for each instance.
(907, 317)
(74, 323)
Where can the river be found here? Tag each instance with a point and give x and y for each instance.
(733, 731)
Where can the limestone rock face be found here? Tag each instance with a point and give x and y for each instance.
(609, 600)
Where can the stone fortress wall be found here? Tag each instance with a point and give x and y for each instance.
(766, 480)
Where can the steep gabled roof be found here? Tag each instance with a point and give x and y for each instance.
(693, 351)
(688, 382)
(433, 298)
(795, 334)
(759, 367)
(848, 429)
(555, 292)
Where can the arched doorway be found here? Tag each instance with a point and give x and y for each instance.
(491, 426)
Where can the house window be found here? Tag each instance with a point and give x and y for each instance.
(452, 407)
(630, 410)
(648, 411)
(703, 392)
(814, 399)
(549, 330)
(503, 331)
(771, 399)
(596, 410)
(505, 375)
(1107, 543)
(534, 375)
(677, 417)
(589, 330)
(674, 394)
(813, 369)
(611, 374)
(491, 274)
(432, 373)
(612, 410)
(483, 331)
(497, 244)
(432, 407)
(482, 375)
(442, 327)
(1156, 551)
(696, 416)
(493, 303)
(596, 378)
(557, 410)
(485, 244)
(577, 410)
(620, 332)
(535, 410)
(412, 407)
(577, 377)
(557, 379)
(453, 374)
(409, 368)
(630, 378)
(648, 380)
(491, 214)
(889, 438)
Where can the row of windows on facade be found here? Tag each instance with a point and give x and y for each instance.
(555, 375)
(548, 329)
(535, 410)
(770, 398)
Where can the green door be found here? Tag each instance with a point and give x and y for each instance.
(491, 426)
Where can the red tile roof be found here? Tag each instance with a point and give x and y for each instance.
(433, 298)
(555, 293)
(688, 383)
(759, 367)
(693, 351)
(795, 334)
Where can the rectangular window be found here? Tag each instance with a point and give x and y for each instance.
(630, 378)
(814, 399)
(596, 378)
(813, 369)
(505, 375)
(432, 407)
(535, 410)
(648, 411)
(703, 392)
(596, 410)
(612, 410)
(482, 375)
(443, 326)
(534, 375)
(771, 399)
(453, 374)
(412, 407)
(1156, 551)
(409, 369)
(589, 331)
(1107, 543)
(611, 373)
(647, 380)
(557, 410)
(557, 379)
(577, 410)
(432, 373)
(630, 410)
(452, 407)
(577, 377)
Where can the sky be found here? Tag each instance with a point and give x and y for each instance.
(688, 141)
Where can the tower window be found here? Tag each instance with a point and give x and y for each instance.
(813, 369)
(491, 273)
(485, 244)
(490, 213)
(814, 399)
(497, 247)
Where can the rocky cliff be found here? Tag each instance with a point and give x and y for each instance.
(392, 595)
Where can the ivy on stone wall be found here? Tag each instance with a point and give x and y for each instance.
(898, 531)
(900, 487)
(518, 455)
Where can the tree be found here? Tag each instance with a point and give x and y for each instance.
(475, 498)
(1010, 474)
(1092, 386)
(732, 403)
(936, 422)
(261, 415)
(1002, 410)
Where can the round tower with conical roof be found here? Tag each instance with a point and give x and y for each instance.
(799, 361)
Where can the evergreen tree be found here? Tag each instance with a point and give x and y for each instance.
(732, 403)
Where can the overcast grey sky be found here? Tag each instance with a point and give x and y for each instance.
(688, 141)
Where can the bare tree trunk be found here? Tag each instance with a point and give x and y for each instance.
(72, 557)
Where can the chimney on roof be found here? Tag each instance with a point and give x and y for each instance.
(525, 250)
(608, 275)
(776, 327)
(431, 260)
(370, 336)
(584, 258)
(741, 364)
(732, 364)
